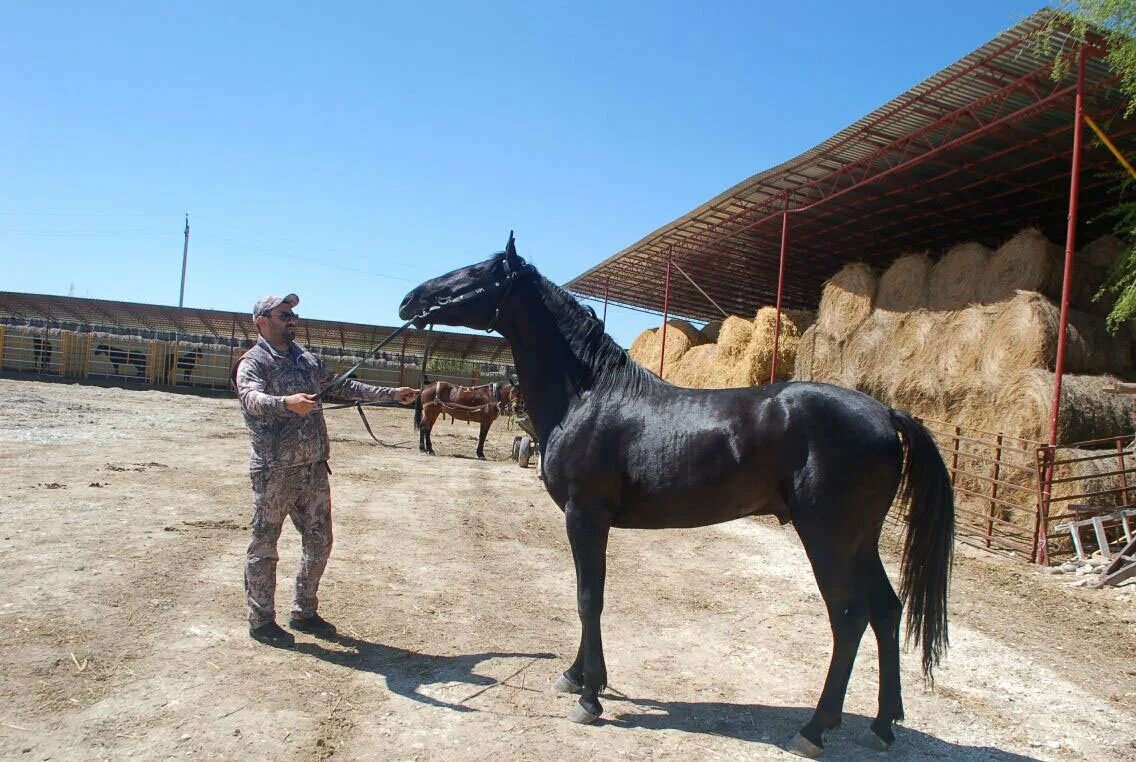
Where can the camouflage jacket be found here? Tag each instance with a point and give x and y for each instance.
(278, 437)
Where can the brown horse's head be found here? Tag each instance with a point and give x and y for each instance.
(511, 400)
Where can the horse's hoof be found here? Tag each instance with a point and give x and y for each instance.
(869, 740)
(803, 747)
(582, 716)
(564, 685)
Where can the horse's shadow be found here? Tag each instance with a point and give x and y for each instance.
(774, 725)
(407, 671)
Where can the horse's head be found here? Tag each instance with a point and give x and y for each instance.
(469, 296)
(511, 400)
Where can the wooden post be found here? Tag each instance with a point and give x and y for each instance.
(994, 489)
(1123, 476)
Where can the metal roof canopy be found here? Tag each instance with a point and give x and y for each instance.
(975, 153)
(238, 326)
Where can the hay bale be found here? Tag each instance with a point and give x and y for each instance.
(1027, 262)
(819, 358)
(847, 300)
(733, 339)
(641, 345)
(917, 392)
(696, 369)
(962, 342)
(711, 330)
(903, 286)
(1101, 253)
(1022, 408)
(681, 336)
(803, 319)
(866, 354)
(760, 351)
(956, 280)
(1023, 336)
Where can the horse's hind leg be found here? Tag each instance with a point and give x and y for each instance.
(485, 424)
(884, 613)
(842, 584)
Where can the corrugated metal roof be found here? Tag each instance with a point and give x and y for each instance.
(976, 152)
(193, 324)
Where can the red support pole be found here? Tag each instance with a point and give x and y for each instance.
(780, 286)
(666, 309)
(1070, 245)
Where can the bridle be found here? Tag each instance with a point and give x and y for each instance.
(505, 286)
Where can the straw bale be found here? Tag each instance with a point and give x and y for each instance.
(903, 286)
(641, 345)
(711, 330)
(696, 369)
(916, 391)
(760, 350)
(1027, 262)
(867, 353)
(1022, 407)
(847, 300)
(1102, 253)
(1024, 336)
(819, 358)
(681, 336)
(803, 319)
(734, 338)
(962, 341)
(956, 279)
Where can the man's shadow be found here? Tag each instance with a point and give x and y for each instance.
(774, 725)
(407, 671)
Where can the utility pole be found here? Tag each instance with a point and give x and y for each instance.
(184, 259)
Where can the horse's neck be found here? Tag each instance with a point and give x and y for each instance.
(548, 366)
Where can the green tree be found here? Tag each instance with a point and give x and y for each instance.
(1115, 21)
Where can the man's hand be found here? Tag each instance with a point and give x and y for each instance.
(405, 395)
(301, 404)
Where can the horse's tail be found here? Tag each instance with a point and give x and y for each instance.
(928, 549)
(418, 411)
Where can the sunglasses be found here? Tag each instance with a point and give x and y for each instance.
(286, 316)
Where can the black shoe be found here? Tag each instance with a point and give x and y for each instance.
(272, 634)
(315, 625)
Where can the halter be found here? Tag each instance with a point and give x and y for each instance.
(505, 286)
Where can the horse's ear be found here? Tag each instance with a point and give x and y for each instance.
(511, 250)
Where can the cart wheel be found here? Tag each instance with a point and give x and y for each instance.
(516, 448)
(524, 452)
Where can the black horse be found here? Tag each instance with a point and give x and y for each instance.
(119, 357)
(186, 363)
(622, 448)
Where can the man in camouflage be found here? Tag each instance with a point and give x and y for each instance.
(278, 382)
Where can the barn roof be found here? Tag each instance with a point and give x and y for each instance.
(976, 152)
(188, 322)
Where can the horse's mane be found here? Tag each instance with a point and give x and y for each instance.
(607, 366)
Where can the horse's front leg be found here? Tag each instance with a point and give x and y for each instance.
(588, 527)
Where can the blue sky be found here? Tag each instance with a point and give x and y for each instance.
(349, 151)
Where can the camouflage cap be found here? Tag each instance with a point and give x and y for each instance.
(265, 304)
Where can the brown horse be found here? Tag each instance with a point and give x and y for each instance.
(463, 403)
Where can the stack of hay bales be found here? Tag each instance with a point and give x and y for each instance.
(741, 353)
(681, 337)
(972, 340)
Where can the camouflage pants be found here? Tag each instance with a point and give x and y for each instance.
(303, 493)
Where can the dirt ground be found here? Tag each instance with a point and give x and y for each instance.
(123, 524)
